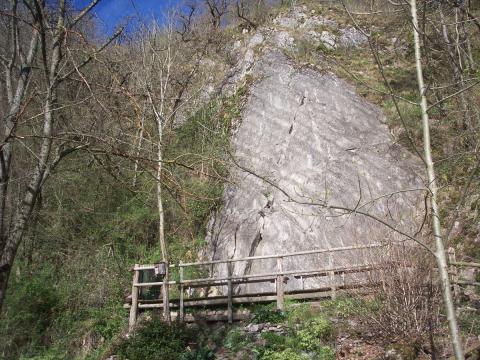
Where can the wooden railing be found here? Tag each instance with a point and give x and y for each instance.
(455, 275)
(279, 278)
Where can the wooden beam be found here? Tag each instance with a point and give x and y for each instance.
(465, 264)
(331, 276)
(134, 308)
(229, 294)
(250, 299)
(261, 257)
(454, 274)
(280, 288)
(266, 276)
(182, 290)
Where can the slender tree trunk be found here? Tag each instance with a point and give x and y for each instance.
(24, 212)
(161, 229)
(161, 217)
(139, 146)
(440, 250)
(10, 121)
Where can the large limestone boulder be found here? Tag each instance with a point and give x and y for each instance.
(311, 135)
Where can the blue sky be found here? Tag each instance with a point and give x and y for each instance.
(117, 12)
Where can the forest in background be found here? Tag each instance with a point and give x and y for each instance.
(80, 197)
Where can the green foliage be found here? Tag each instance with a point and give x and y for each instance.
(31, 310)
(267, 313)
(287, 354)
(273, 340)
(346, 307)
(325, 353)
(199, 354)
(298, 314)
(155, 340)
(236, 340)
(313, 332)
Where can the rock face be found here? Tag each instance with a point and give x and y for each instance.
(307, 137)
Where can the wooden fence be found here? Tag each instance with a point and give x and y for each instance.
(455, 274)
(187, 297)
(279, 278)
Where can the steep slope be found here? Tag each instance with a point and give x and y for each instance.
(312, 136)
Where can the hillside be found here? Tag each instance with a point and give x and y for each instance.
(258, 129)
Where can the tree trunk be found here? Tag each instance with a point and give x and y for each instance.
(440, 250)
(24, 212)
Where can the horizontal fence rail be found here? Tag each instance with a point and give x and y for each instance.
(457, 281)
(263, 257)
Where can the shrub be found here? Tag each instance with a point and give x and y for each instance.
(314, 331)
(236, 340)
(155, 340)
(267, 313)
(274, 341)
(287, 354)
(325, 353)
(408, 297)
(199, 354)
(298, 314)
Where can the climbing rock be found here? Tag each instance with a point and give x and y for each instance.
(319, 142)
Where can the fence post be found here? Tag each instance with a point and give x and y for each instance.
(134, 307)
(165, 293)
(453, 273)
(331, 276)
(181, 310)
(280, 288)
(229, 293)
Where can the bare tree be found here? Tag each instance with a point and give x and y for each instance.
(432, 186)
(46, 30)
(217, 9)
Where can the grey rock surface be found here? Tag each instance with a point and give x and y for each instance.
(314, 137)
(351, 37)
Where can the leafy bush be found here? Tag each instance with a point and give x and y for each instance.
(155, 340)
(199, 354)
(267, 313)
(287, 354)
(236, 340)
(273, 341)
(315, 330)
(298, 314)
(325, 353)
(30, 312)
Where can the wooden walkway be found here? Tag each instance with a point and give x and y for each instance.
(189, 285)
